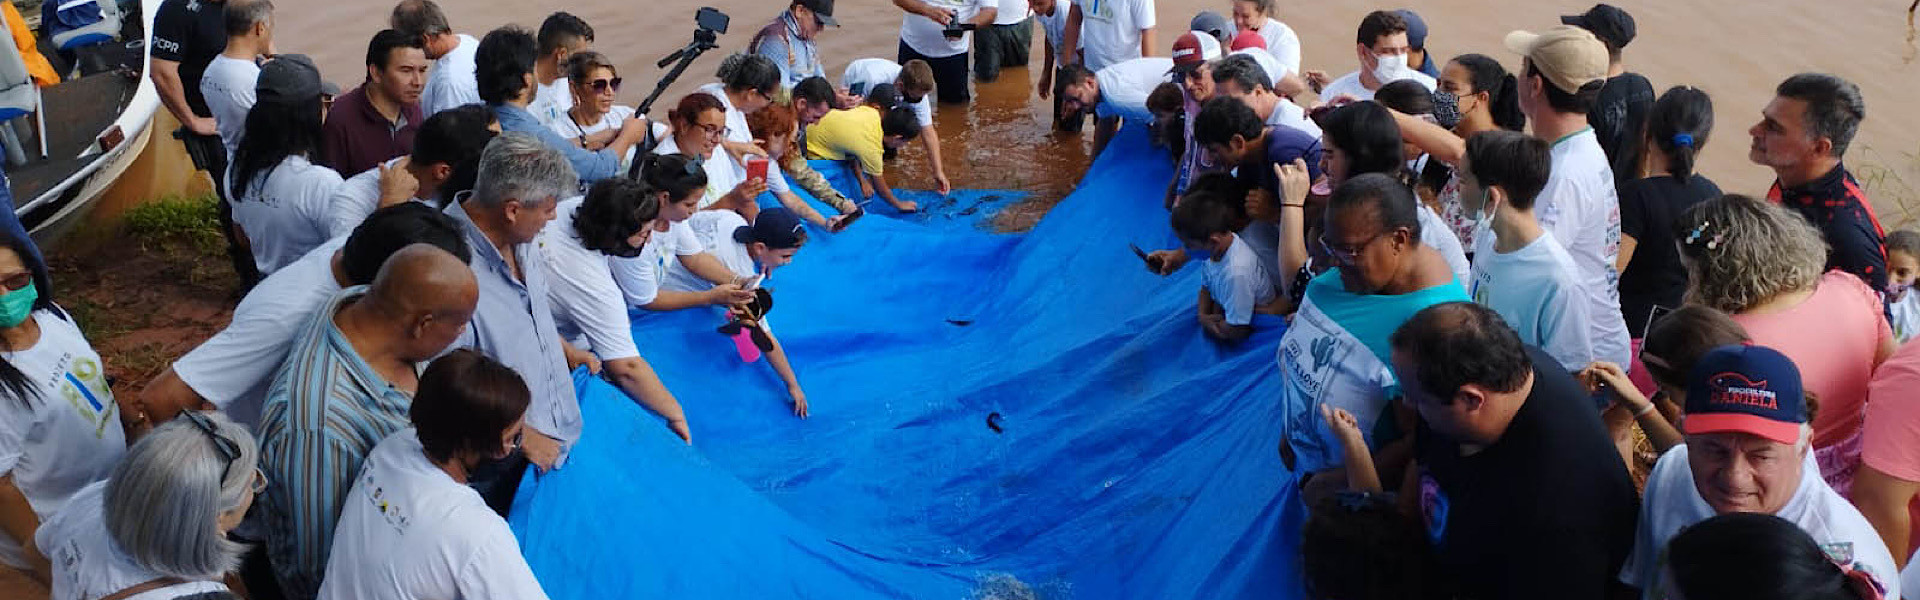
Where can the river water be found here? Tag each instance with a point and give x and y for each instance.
(1735, 50)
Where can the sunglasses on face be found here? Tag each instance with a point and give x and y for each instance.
(603, 86)
(17, 281)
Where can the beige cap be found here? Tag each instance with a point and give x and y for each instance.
(1568, 56)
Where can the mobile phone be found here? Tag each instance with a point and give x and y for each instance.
(752, 283)
(1153, 263)
(850, 218)
(756, 167)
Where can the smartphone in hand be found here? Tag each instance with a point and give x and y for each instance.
(756, 167)
(1153, 263)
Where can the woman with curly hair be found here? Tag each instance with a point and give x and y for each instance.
(1764, 264)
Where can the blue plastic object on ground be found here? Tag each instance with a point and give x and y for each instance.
(1128, 456)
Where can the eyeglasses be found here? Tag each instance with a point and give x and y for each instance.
(17, 281)
(513, 445)
(228, 449)
(603, 85)
(714, 130)
(1347, 254)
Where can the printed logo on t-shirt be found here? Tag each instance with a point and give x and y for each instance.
(1840, 552)
(378, 497)
(1433, 506)
(84, 387)
(1099, 10)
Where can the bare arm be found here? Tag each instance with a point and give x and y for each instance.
(1361, 475)
(778, 358)
(1294, 185)
(800, 207)
(1046, 71)
(1627, 245)
(923, 9)
(1883, 500)
(166, 396)
(1443, 145)
(1071, 40)
(985, 17)
(1103, 132)
(930, 139)
(1213, 321)
(637, 379)
(173, 93)
(1146, 42)
(708, 268)
(18, 521)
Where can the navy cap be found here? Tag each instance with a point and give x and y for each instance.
(1416, 29)
(287, 78)
(1212, 22)
(822, 9)
(1284, 144)
(777, 227)
(1607, 22)
(1746, 389)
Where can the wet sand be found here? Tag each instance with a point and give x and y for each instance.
(1736, 51)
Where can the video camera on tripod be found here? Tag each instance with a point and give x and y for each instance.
(711, 24)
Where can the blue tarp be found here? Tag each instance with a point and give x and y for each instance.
(1135, 458)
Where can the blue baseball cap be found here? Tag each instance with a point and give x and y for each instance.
(1284, 144)
(1746, 389)
(778, 228)
(1416, 29)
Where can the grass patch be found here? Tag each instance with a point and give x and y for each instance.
(192, 219)
(1886, 182)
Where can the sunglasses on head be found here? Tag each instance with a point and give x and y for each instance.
(228, 449)
(605, 85)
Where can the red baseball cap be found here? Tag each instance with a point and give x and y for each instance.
(1194, 48)
(1248, 39)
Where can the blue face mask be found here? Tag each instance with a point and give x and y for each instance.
(16, 305)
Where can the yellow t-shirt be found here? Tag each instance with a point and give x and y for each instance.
(849, 135)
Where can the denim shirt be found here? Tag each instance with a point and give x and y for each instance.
(590, 166)
(513, 323)
(797, 58)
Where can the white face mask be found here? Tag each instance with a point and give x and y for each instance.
(1484, 220)
(1390, 68)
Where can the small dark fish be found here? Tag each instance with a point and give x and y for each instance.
(960, 322)
(993, 422)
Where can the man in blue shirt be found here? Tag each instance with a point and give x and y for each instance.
(521, 180)
(505, 77)
(788, 40)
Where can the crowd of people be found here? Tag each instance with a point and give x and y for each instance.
(1528, 346)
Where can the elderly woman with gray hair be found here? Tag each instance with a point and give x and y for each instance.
(157, 528)
(1766, 266)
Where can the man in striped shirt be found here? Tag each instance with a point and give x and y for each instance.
(348, 384)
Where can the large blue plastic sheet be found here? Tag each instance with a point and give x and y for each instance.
(1134, 457)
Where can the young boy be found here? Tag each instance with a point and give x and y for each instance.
(1903, 266)
(864, 135)
(1237, 284)
(751, 252)
(1520, 271)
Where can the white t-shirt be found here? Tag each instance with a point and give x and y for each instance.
(713, 231)
(1350, 85)
(357, 197)
(1282, 43)
(1124, 87)
(228, 87)
(587, 304)
(1906, 316)
(1910, 577)
(639, 277)
(1238, 282)
(1011, 12)
(551, 102)
(1435, 234)
(67, 434)
(1672, 502)
(408, 531)
(450, 83)
(1581, 208)
(722, 173)
(234, 368)
(924, 36)
(1110, 30)
(1055, 26)
(865, 74)
(87, 564)
(284, 211)
(616, 117)
(1534, 289)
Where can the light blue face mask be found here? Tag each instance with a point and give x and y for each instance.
(16, 305)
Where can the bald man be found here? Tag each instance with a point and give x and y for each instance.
(347, 385)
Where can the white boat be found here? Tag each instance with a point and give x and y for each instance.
(95, 127)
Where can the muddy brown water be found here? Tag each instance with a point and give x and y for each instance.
(1736, 51)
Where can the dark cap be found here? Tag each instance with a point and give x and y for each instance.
(286, 79)
(777, 227)
(1212, 22)
(1746, 389)
(1416, 28)
(1192, 49)
(1607, 22)
(822, 8)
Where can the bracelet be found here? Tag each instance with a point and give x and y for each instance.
(1300, 205)
(1643, 412)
